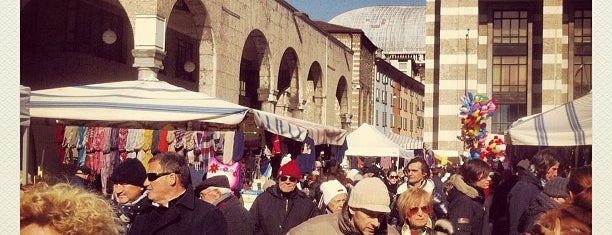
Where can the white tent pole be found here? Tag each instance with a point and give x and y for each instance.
(25, 143)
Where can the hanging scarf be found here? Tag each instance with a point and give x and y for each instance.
(81, 140)
(123, 134)
(170, 138)
(69, 143)
(155, 142)
(276, 146)
(162, 145)
(146, 147)
(59, 139)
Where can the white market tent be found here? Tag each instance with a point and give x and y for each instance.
(136, 100)
(570, 124)
(366, 141)
(405, 141)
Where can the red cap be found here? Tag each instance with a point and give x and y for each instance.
(291, 169)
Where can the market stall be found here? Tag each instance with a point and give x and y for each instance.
(367, 142)
(566, 125)
(97, 124)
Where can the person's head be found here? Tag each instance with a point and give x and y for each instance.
(128, 180)
(211, 189)
(65, 209)
(167, 177)
(546, 163)
(579, 180)
(366, 208)
(371, 171)
(416, 170)
(334, 195)
(414, 205)
(288, 176)
(556, 189)
(392, 177)
(475, 172)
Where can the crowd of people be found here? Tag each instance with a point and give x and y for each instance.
(417, 199)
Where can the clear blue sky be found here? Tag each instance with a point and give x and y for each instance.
(325, 10)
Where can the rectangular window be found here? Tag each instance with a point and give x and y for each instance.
(510, 27)
(582, 66)
(376, 116)
(509, 73)
(505, 115)
(411, 127)
(384, 117)
(403, 66)
(377, 94)
(392, 120)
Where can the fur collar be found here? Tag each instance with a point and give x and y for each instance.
(457, 182)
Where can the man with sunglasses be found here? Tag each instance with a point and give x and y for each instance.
(175, 208)
(282, 206)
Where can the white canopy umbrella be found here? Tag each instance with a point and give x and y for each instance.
(366, 141)
(567, 125)
(136, 100)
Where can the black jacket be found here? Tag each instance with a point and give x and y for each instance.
(238, 218)
(275, 214)
(185, 215)
(466, 210)
(520, 196)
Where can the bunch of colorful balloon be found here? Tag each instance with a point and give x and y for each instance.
(474, 112)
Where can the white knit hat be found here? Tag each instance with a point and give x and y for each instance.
(370, 194)
(330, 189)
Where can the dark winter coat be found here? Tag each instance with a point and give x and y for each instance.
(466, 209)
(537, 208)
(185, 215)
(238, 218)
(498, 214)
(275, 214)
(521, 195)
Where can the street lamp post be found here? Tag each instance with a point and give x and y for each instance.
(466, 61)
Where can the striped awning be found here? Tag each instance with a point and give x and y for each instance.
(135, 100)
(297, 129)
(570, 124)
(405, 141)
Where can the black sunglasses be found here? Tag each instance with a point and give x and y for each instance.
(393, 177)
(414, 210)
(286, 177)
(154, 176)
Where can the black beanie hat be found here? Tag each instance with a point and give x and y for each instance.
(130, 171)
(219, 181)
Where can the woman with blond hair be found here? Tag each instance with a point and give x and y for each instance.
(65, 209)
(414, 207)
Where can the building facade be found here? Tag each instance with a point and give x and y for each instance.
(265, 55)
(530, 56)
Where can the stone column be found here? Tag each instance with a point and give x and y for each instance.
(267, 98)
(345, 120)
(149, 45)
(148, 62)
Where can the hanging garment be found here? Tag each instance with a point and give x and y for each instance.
(306, 160)
(123, 135)
(99, 139)
(155, 142)
(238, 146)
(146, 147)
(385, 162)
(189, 143)
(138, 143)
(276, 146)
(206, 146)
(228, 147)
(218, 142)
(179, 135)
(89, 147)
(107, 164)
(59, 139)
(162, 145)
(81, 140)
(171, 141)
(69, 144)
(129, 143)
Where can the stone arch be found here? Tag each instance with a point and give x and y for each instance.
(343, 103)
(68, 43)
(288, 85)
(254, 79)
(314, 89)
(190, 39)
